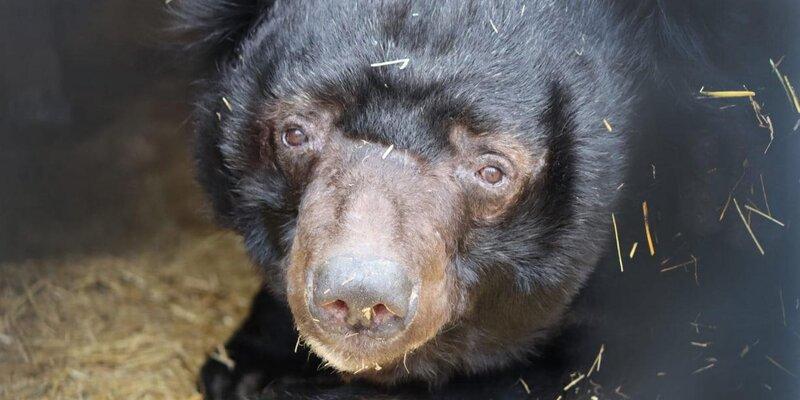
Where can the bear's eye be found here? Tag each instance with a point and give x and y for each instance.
(491, 174)
(294, 137)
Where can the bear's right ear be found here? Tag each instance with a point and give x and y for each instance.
(213, 29)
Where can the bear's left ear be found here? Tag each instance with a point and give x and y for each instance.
(213, 29)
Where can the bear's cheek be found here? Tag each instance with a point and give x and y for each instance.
(430, 253)
(437, 302)
(310, 237)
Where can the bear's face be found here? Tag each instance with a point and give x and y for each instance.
(371, 274)
(419, 217)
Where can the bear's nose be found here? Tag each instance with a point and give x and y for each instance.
(351, 294)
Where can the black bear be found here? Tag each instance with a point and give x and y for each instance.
(425, 185)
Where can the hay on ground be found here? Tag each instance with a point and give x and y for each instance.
(120, 327)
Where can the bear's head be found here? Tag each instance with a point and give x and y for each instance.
(425, 189)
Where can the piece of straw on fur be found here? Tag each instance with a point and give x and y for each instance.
(616, 237)
(727, 94)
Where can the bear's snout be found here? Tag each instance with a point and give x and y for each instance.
(362, 295)
(375, 236)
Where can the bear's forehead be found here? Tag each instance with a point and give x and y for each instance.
(386, 69)
(408, 46)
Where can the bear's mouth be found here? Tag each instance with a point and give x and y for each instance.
(354, 352)
(357, 352)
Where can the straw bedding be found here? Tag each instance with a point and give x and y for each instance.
(120, 327)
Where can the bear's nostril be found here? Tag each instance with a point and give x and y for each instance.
(337, 310)
(382, 314)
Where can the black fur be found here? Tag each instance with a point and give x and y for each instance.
(214, 29)
(551, 74)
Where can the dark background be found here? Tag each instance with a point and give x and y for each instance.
(93, 113)
(94, 159)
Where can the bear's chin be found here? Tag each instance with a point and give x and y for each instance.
(356, 357)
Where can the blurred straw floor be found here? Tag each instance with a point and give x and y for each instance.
(120, 327)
